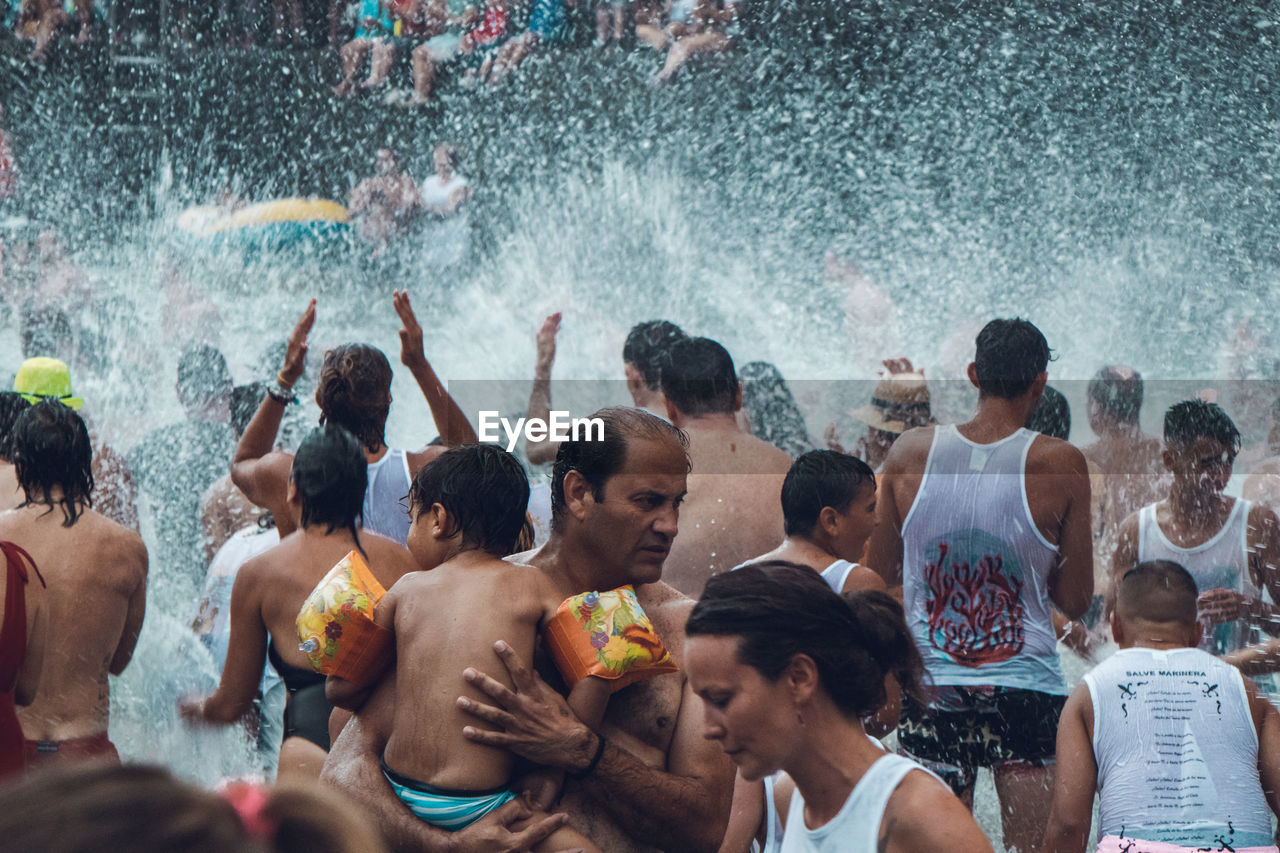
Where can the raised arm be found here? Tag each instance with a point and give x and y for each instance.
(135, 555)
(544, 451)
(683, 807)
(451, 423)
(257, 469)
(1075, 778)
(1267, 723)
(884, 548)
(1071, 582)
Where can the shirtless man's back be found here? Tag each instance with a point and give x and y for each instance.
(732, 512)
(96, 571)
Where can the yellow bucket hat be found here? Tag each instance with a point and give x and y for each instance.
(41, 378)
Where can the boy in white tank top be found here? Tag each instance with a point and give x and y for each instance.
(1230, 547)
(1181, 749)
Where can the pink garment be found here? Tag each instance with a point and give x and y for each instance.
(1114, 844)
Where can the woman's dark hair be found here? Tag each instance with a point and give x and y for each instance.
(779, 610)
(331, 474)
(12, 405)
(818, 479)
(135, 808)
(775, 416)
(354, 392)
(51, 449)
(881, 618)
(483, 488)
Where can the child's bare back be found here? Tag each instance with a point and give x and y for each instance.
(446, 620)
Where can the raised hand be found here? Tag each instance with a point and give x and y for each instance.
(546, 341)
(411, 352)
(295, 354)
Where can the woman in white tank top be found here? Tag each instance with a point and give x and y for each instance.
(787, 670)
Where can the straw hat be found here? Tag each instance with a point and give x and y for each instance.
(41, 378)
(899, 403)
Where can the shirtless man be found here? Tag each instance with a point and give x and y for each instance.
(658, 785)
(1125, 461)
(385, 204)
(732, 512)
(1203, 778)
(96, 571)
(1230, 546)
(986, 525)
(828, 513)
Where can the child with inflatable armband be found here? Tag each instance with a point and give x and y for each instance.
(336, 626)
(468, 508)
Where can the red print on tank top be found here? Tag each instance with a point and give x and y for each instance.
(975, 613)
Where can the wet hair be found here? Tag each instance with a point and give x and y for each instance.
(1117, 392)
(12, 405)
(331, 474)
(245, 400)
(354, 392)
(1192, 419)
(880, 616)
(1158, 591)
(51, 449)
(44, 332)
(647, 346)
(203, 376)
(818, 479)
(597, 461)
(1052, 415)
(779, 610)
(698, 378)
(775, 416)
(1010, 355)
(137, 808)
(485, 491)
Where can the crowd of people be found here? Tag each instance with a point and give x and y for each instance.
(483, 39)
(693, 635)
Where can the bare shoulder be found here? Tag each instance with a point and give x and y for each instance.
(950, 825)
(1261, 516)
(1050, 455)
(910, 452)
(416, 459)
(123, 544)
(668, 609)
(862, 579)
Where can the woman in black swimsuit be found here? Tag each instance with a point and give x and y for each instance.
(326, 492)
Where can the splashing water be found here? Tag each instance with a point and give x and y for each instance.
(1109, 172)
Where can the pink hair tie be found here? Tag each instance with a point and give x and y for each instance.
(250, 800)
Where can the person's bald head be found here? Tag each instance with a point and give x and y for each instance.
(1156, 596)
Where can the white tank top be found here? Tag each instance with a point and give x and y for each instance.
(1221, 562)
(1177, 751)
(837, 573)
(772, 820)
(856, 827)
(386, 498)
(975, 576)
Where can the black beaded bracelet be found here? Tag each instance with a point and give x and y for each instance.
(283, 396)
(595, 761)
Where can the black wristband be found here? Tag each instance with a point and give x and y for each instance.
(595, 762)
(283, 396)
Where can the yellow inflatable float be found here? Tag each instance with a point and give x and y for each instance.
(275, 224)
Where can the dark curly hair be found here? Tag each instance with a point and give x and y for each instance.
(354, 392)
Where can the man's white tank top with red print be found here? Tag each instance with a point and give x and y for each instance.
(1220, 562)
(975, 576)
